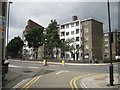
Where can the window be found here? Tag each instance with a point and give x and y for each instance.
(77, 23)
(106, 50)
(72, 24)
(62, 26)
(86, 38)
(67, 33)
(86, 23)
(67, 26)
(106, 39)
(77, 46)
(77, 31)
(62, 40)
(62, 33)
(106, 45)
(77, 38)
(106, 35)
(86, 47)
(73, 39)
(86, 30)
(81, 54)
(67, 56)
(72, 32)
(106, 56)
(81, 38)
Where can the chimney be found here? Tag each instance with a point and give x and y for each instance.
(74, 18)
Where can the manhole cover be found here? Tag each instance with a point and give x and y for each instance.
(27, 71)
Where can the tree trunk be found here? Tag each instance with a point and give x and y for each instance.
(36, 51)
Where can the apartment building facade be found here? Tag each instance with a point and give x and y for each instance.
(29, 53)
(115, 46)
(92, 35)
(71, 31)
(87, 36)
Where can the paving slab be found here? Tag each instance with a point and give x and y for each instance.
(98, 81)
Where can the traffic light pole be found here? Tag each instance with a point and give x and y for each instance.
(110, 42)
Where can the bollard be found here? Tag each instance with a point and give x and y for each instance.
(44, 62)
(63, 62)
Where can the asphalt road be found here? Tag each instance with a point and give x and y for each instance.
(54, 76)
(78, 68)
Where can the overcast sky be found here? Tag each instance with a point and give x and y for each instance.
(43, 12)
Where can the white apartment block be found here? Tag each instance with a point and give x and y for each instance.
(72, 30)
(27, 52)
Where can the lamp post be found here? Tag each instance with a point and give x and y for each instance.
(110, 41)
(8, 20)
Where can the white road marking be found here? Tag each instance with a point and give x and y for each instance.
(61, 72)
(21, 83)
(33, 67)
(21, 66)
(55, 65)
(15, 66)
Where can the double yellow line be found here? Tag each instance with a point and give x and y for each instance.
(33, 80)
(74, 80)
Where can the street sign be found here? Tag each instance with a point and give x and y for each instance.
(2, 23)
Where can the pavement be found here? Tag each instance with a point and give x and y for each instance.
(100, 81)
(10, 79)
(66, 63)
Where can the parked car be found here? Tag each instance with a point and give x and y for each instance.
(117, 57)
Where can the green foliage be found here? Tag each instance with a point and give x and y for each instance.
(14, 47)
(52, 36)
(119, 45)
(35, 37)
(119, 41)
(65, 46)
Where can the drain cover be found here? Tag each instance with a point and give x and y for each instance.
(27, 71)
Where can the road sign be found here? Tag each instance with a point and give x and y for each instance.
(2, 23)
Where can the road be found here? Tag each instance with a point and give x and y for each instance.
(35, 75)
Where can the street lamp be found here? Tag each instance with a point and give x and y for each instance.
(8, 20)
(110, 44)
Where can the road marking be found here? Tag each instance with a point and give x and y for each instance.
(33, 80)
(21, 67)
(74, 80)
(54, 65)
(15, 66)
(61, 72)
(19, 84)
(71, 83)
(33, 67)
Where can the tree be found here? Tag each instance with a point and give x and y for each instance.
(35, 38)
(14, 47)
(65, 46)
(53, 40)
(70, 46)
(119, 45)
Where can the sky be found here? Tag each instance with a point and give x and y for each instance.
(42, 12)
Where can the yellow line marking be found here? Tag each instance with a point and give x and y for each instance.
(32, 80)
(72, 86)
(73, 81)
(35, 80)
